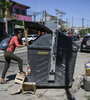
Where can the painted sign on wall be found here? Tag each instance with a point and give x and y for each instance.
(22, 18)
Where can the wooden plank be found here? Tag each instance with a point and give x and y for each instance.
(19, 78)
(26, 34)
(29, 87)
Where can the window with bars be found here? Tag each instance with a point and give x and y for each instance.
(19, 11)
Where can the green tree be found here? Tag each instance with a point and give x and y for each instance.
(4, 5)
(84, 31)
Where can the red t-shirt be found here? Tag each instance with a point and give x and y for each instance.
(15, 42)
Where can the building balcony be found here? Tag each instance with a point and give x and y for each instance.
(23, 17)
(19, 17)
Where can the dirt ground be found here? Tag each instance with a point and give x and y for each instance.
(75, 93)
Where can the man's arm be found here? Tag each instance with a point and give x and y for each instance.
(17, 43)
(23, 45)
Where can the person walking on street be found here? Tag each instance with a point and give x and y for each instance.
(9, 55)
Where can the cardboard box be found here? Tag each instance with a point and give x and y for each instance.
(87, 72)
(29, 87)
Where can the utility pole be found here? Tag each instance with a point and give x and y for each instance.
(57, 17)
(82, 26)
(60, 13)
(34, 17)
(87, 28)
(72, 21)
(67, 21)
(45, 17)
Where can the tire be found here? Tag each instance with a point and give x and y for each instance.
(81, 49)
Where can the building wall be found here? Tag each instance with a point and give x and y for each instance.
(12, 10)
(14, 7)
(11, 26)
(22, 18)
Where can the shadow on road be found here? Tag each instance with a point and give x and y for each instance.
(2, 61)
(11, 77)
(69, 95)
(85, 51)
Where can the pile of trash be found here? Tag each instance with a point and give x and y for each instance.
(86, 79)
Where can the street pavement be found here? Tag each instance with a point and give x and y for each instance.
(74, 93)
(18, 50)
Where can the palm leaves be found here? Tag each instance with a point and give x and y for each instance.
(4, 5)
